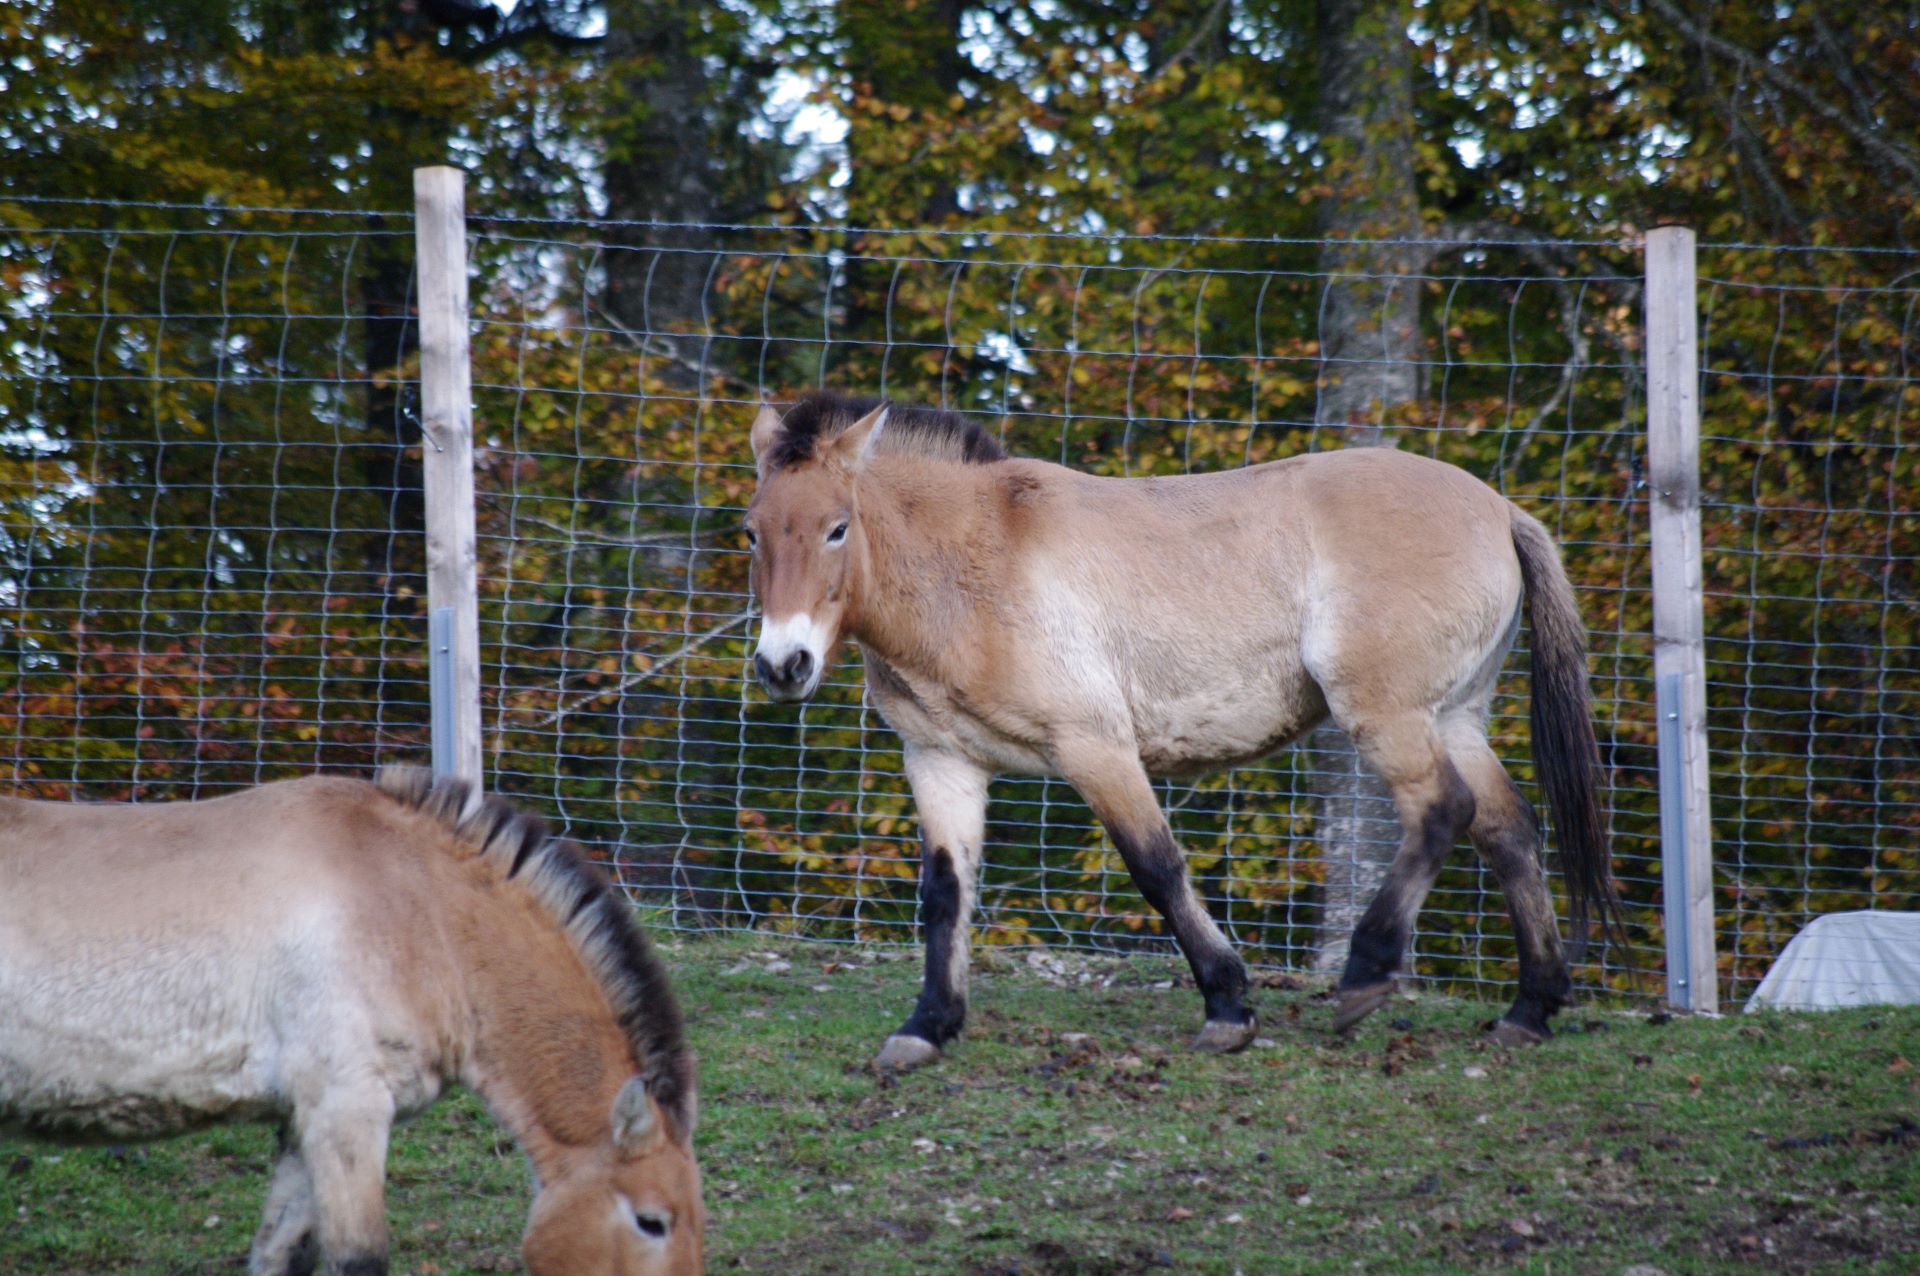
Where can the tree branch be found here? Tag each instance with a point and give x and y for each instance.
(1841, 66)
(653, 347)
(582, 699)
(1865, 134)
(1538, 250)
(1753, 154)
(1201, 32)
(651, 540)
(528, 22)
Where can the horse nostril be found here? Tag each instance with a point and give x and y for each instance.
(798, 666)
(762, 669)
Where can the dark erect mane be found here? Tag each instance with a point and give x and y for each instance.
(594, 915)
(911, 429)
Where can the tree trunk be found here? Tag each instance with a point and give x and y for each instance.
(389, 336)
(660, 168)
(1369, 371)
(905, 55)
(402, 138)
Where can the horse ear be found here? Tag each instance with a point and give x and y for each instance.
(637, 1126)
(766, 428)
(854, 447)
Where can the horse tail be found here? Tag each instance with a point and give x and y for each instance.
(1566, 754)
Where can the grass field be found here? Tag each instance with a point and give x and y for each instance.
(1070, 1132)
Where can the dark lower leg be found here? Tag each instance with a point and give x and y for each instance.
(304, 1259)
(284, 1245)
(1159, 870)
(367, 1265)
(1545, 985)
(1380, 940)
(1545, 988)
(342, 1136)
(942, 1009)
(364, 1266)
(1507, 835)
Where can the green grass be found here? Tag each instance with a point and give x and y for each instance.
(1771, 1142)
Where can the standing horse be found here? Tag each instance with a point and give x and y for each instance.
(1019, 616)
(328, 954)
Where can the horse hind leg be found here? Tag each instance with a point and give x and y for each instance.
(1435, 806)
(1506, 833)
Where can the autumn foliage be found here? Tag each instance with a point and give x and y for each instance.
(1094, 226)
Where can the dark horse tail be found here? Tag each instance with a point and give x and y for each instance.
(1566, 755)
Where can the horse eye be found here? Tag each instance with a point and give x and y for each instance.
(653, 1225)
(838, 534)
(752, 540)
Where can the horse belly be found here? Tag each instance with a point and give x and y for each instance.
(125, 1053)
(1224, 725)
(47, 1090)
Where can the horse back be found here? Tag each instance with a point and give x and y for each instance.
(224, 865)
(168, 965)
(1195, 554)
(1209, 618)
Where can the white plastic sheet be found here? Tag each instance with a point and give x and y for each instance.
(1846, 959)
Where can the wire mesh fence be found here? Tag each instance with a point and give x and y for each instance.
(1811, 527)
(615, 586)
(214, 541)
(210, 531)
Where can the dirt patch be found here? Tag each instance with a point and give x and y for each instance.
(1900, 1132)
(1792, 1238)
(1049, 1258)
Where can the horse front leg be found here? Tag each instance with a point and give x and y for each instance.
(342, 1139)
(950, 793)
(1116, 786)
(285, 1245)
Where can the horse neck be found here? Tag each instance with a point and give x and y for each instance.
(546, 1052)
(928, 534)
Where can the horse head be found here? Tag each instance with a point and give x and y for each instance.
(808, 547)
(628, 1204)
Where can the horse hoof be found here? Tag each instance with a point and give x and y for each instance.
(904, 1054)
(1357, 1003)
(1219, 1036)
(1508, 1033)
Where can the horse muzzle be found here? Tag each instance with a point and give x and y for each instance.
(791, 657)
(791, 677)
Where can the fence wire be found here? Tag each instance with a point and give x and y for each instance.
(213, 539)
(1810, 523)
(614, 572)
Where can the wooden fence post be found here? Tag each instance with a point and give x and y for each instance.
(446, 403)
(1679, 645)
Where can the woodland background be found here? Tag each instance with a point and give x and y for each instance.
(1140, 238)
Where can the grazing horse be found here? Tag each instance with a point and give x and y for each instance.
(1019, 616)
(329, 954)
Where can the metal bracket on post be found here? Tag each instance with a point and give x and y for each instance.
(1668, 699)
(440, 690)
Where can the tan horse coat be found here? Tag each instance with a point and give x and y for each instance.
(331, 955)
(1018, 616)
